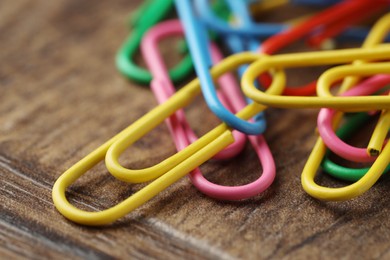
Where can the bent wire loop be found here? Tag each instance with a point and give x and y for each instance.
(196, 35)
(319, 150)
(179, 127)
(353, 123)
(166, 172)
(376, 36)
(347, 192)
(324, 98)
(364, 178)
(236, 42)
(326, 116)
(152, 13)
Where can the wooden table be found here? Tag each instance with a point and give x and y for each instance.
(61, 97)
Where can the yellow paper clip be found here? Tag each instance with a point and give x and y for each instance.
(270, 98)
(347, 192)
(376, 36)
(168, 171)
(378, 137)
(380, 52)
(319, 149)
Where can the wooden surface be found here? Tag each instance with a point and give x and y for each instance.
(61, 97)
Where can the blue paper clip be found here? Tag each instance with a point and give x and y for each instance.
(238, 43)
(197, 39)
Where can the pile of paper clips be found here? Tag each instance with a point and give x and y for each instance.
(362, 75)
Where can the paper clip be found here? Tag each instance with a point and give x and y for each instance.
(180, 130)
(166, 172)
(353, 123)
(364, 178)
(196, 35)
(364, 183)
(152, 13)
(347, 192)
(325, 123)
(324, 99)
(376, 36)
(315, 158)
(231, 35)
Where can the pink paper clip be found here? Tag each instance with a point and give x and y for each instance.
(230, 96)
(325, 119)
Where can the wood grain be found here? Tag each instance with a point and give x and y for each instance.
(61, 97)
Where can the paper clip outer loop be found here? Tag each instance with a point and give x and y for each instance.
(347, 174)
(152, 13)
(355, 104)
(375, 37)
(197, 39)
(347, 192)
(170, 170)
(319, 150)
(325, 119)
